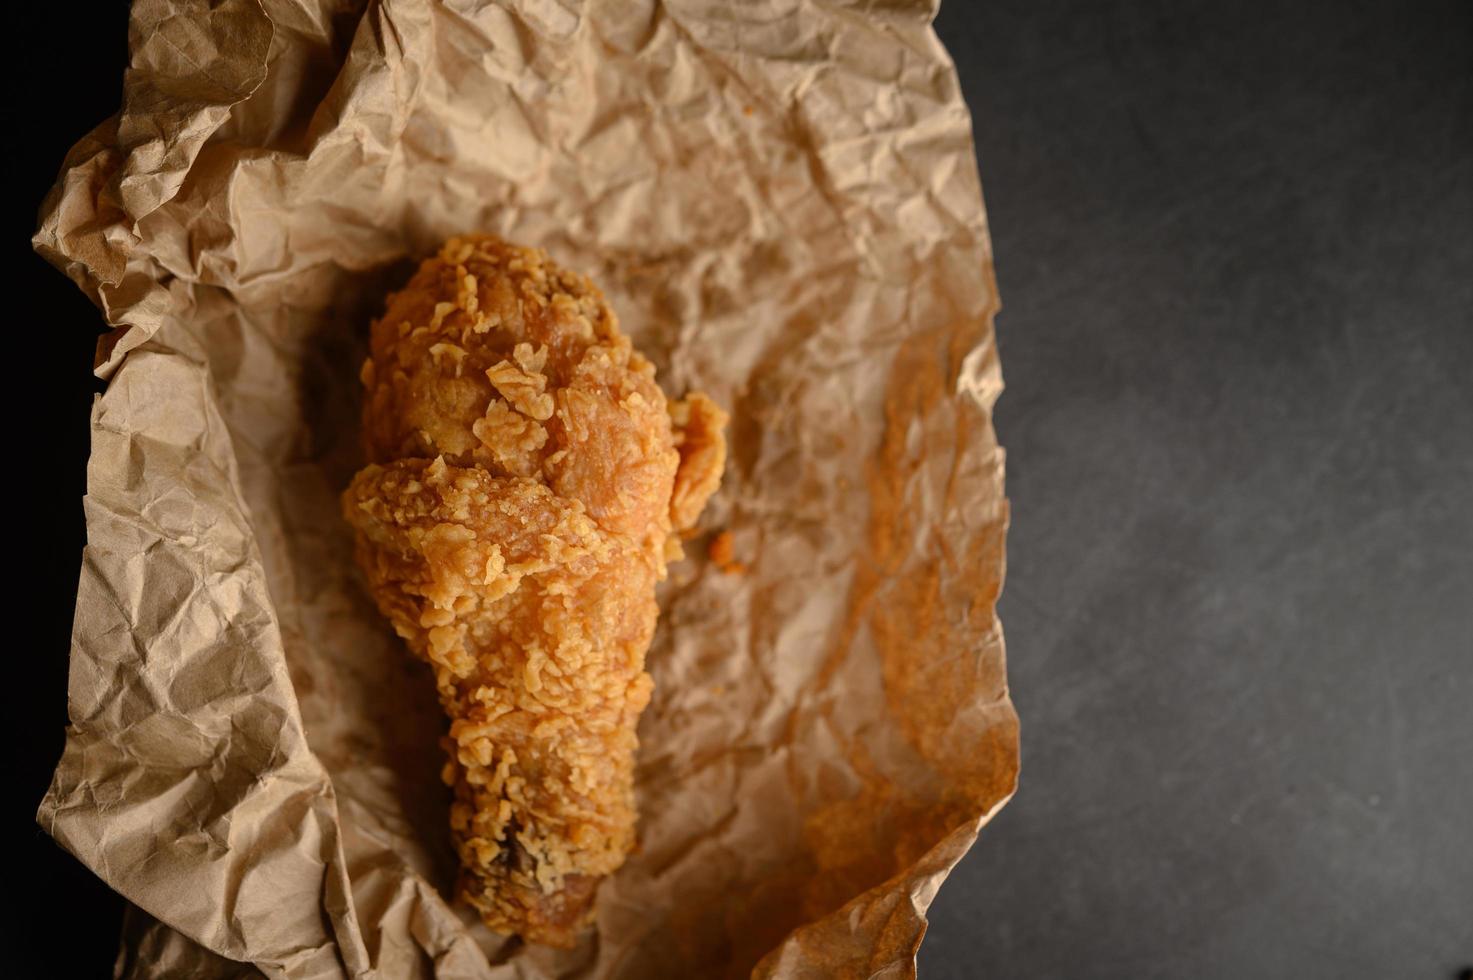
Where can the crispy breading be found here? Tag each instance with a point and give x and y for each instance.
(525, 489)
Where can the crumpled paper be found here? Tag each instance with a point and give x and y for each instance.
(781, 201)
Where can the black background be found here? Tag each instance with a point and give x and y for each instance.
(1235, 247)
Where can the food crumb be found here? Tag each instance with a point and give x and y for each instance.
(722, 553)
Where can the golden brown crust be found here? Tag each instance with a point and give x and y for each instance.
(512, 525)
(701, 441)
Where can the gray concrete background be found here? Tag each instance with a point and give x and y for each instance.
(1235, 248)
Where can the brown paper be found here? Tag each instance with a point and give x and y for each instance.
(781, 201)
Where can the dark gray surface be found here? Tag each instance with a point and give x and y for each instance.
(1235, 249)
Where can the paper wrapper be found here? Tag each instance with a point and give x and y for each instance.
(781, 201)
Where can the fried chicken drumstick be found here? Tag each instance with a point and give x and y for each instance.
(527, 483)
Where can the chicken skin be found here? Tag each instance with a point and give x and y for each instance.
(527, 484)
